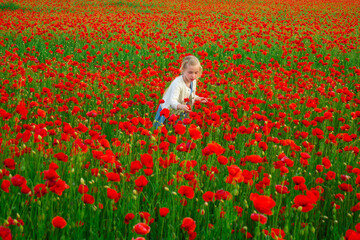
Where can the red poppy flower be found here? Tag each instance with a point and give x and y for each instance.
(135, 166)
(235, 174)
(59, 222)
(141, 181)
(147, 160)
(254, 159)
(142, 228)
(304, 155)
(223, 195)
(129, 217)
(188, 224)
(263, 146)
(357, 180)
(239, 210)
(208, 196)
(298, 180)
(18, 180)
(22, 110)
(263, 203)
(187, 192)
(148, 172)
(180, 129)
(61, 157)
(326, 162)
(92, 113)
(40, 190)
(212, 148)
(194, 132)
(41, 113)
(163, 211)
(172, 119)
(5, 185)
(26, 136)
(277, 233)
(330, 175)
(306, 202)
(258, 218)
(165, 112)
(25, 189)
(51, 175)
(281, 189)
(59, 187)
(111, 193)
(9, 163)
(113, 177)
(222, 160)
(346, 187)
(105, 143)
(5, 233)
(88, 199)
(187, 121)
(146, 216)
(83, 189)
(353, 235)
(172, 139)
(355, 208)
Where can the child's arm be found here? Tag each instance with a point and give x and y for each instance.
(174, 96)
(174, 103)
(202, 99)
(197, 98)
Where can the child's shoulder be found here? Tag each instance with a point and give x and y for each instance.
(177, 80)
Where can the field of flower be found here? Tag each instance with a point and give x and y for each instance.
(273, 155)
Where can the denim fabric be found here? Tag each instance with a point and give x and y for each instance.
(160, 120)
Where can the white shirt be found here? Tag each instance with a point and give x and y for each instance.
(177, 92)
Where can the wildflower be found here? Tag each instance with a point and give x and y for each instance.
(129, 217)
(187, 192)
(59, 222)
(188, 224)
(142, 228)
(88, 199)
(163, 211)
(258, 218)
(262, 203)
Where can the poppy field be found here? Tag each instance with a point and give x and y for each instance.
(273, 155)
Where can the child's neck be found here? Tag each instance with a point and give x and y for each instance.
(187, 82)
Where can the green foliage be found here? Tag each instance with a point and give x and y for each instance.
(5, 6)
(128, 4)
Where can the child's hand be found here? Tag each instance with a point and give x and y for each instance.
(203, 100)
(184, 107)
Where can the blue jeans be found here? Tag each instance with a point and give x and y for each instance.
(160, 120)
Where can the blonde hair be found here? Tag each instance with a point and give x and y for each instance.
(187, 61)
(190, 61)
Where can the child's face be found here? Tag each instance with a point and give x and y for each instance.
(191, 73)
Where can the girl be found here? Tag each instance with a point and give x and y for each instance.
(181, 88)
